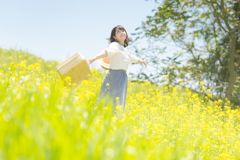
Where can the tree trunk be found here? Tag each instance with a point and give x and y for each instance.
(232, 72)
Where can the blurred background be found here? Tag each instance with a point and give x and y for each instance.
(56, 29)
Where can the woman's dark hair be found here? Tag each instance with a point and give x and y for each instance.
(113, 34)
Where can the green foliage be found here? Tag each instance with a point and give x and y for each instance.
(208, 36)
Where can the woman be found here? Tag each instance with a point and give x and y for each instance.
(114, 85)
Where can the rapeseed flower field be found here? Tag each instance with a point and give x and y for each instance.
(40, 118)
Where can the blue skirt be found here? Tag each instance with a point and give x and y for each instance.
(114, 88)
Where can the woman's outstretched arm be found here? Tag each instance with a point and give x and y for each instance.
(102, 54)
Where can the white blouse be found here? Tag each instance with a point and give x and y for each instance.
(119, 56)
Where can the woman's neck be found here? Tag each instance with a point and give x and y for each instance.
(122, 43)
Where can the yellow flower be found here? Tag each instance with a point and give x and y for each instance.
(53, 72)
(119, 107)
(67, 78)
(210, 95)
(30, 66)
(114, 119)
(38, 68)
(147, 84)
(74, 84)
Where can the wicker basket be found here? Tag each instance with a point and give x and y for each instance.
(75, 67)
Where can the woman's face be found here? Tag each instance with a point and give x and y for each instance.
(120, 35)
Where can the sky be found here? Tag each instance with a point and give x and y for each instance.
(57, 29)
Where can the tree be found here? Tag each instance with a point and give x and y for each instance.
(207, 34)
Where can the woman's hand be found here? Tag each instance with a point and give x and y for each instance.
(91, 60)
(144, 62)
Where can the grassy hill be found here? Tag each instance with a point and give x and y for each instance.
(13, 56)
(40, 118)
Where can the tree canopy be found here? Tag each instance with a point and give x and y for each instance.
(207, 32)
